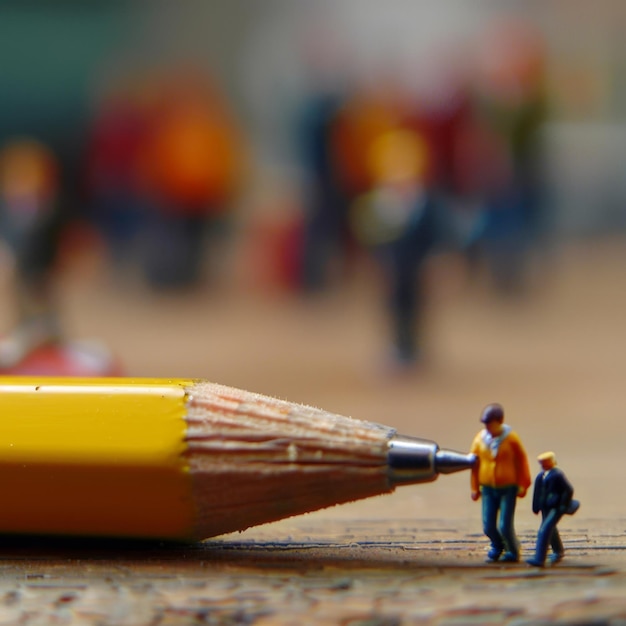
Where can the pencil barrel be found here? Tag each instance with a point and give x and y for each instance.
(94, 457)
(173, 459)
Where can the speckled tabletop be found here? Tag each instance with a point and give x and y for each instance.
(347, 572)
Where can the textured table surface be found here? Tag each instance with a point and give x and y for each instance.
(348, 572)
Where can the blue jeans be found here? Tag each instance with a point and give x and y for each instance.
(498, 512)
(548, 534)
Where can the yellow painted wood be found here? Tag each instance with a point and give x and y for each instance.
(94, 456)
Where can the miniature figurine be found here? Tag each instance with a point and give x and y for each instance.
(553, 497)
(500, 476)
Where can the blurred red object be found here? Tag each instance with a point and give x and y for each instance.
(66, 359)
(191, 157)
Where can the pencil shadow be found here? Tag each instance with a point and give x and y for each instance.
(281, 555)
(51, 546)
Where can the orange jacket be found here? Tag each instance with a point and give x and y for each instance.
(509, 467)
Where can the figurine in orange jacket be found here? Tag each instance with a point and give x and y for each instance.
(500, 476)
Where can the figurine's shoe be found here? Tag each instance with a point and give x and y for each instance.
(534, 563)
(555, 558)
(493, 555)
(510, 557)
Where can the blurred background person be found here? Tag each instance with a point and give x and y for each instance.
(398, 220)
(30, 222)
(190, 165)
(34, 227)
(367, 112)
(324, 199)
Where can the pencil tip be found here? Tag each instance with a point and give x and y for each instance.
(411, 460)
(448, 461)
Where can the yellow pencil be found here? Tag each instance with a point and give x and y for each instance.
(185, 459)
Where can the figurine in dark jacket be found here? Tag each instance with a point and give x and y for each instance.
(552, 497)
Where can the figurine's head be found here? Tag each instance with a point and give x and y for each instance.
(493, 417)
(547, 460)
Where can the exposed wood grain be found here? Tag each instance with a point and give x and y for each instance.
(255, 459)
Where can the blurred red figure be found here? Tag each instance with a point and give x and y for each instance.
(190, 167)
(31, 224)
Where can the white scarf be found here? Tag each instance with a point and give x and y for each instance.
(493, 443)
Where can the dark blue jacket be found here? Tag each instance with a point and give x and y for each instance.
(552, 492)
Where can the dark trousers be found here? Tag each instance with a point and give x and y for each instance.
(548, 534)
(498, 513)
